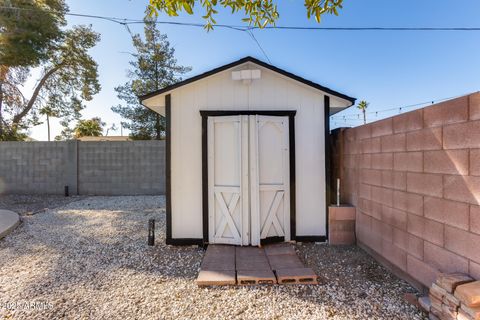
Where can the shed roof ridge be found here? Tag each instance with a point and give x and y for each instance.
(242, 61)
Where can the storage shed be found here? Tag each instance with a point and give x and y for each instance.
(246, 156)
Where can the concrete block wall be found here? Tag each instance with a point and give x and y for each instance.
(415, 180)
(87, 168)
(35, 167)
(132, 167)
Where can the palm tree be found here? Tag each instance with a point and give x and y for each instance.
(49, 112)
(363, 105)
(113, 128)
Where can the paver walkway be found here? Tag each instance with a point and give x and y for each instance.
(9, 220)
(230, 265)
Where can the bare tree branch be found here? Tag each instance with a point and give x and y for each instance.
(18, 117)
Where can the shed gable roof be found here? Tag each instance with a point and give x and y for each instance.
(242, 61)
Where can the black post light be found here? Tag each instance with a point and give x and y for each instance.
(151, 232)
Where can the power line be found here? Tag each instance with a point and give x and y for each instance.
(124, 21)
(342, 120)
(258, 43)
(375, 28)
(357, 116)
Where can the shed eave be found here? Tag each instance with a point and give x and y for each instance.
(156, 103)
(304, 81)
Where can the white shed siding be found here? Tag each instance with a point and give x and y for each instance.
(271, 92)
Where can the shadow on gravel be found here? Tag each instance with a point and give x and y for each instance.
(85, 241)
(357, 277)
(97, 248)
(32, 204)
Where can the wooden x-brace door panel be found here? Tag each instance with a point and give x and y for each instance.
(228, 187)
(248, 179)
(269, 179)
(227, 222)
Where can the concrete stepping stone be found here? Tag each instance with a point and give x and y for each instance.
(218, 265)
(463, 315)
(9, 220)
(425, 303)
(296, 276)
(284, 261)
(218, 249)
(229, 265)
(216, 278)
(251, 258)
(470, 312)
(249, 251)
(469, 294)
(279, 249)
(253, 263)
(437, 291)
(219, 258)
(255, 277)
(450, 281)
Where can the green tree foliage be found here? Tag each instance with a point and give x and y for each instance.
(29, 29)
(32, 35)
(65, 134)
(153, 66)
(67, 78)
(258, 13)
(363, 105)
(89, 128)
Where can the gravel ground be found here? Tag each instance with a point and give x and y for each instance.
(31, 204)
(89, 260)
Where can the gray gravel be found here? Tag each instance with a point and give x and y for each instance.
(89, 260)
(32, 204)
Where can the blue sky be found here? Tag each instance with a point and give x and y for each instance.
(388, 69)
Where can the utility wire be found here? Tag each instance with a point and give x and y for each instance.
(356, 116)
(258, 44)
(375, 28)
(246, 28)
(126, 21)
(344, 124)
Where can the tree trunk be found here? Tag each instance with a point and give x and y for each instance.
(364, 117)
(1, 102)
(157, 127)
(48, 126)
(18, 117)
(3, 76)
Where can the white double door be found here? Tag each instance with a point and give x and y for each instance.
(248, 179)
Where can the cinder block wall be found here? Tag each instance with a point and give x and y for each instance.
(33, 167)
(415, 180)
(132, 167)
(88, 168)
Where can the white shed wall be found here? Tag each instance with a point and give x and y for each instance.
(271, 92)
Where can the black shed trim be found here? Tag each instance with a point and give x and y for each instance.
(239, 62)
(293, 194)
